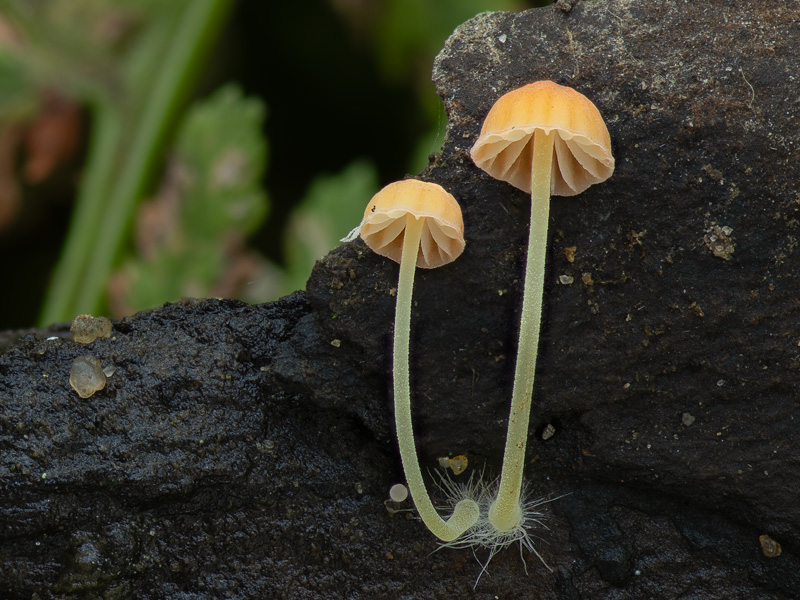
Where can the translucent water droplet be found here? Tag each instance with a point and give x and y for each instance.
(86, 376)
(86, 328)
(458, 464)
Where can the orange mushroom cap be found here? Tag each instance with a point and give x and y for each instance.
(384, 222)
(582, 149)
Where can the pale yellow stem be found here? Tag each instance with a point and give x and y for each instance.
(505, 512)
(466, 512)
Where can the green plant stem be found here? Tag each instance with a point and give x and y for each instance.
(466, 512)
(106, 133)
(505, 512)
(197, 29)
(81, 276)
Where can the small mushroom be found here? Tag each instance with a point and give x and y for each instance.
(545, 139)
(416, 224)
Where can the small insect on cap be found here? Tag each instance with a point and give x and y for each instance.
(384, 222)
(582, 152)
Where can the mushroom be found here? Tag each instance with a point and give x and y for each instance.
(545, 139)
(416, 224)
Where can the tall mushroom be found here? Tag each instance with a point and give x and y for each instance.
(545, 139)
(416, 224)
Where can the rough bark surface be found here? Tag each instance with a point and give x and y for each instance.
(246, 451)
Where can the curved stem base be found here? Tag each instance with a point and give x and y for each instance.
(466, 512)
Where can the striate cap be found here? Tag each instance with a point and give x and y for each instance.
(384, 222)
(582, 148)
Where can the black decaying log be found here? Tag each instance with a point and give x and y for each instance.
(246, 451)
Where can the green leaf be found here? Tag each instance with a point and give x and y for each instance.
(210, 199)
(221, 148)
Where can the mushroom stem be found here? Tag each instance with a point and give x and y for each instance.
(505, 512)
(466, 512)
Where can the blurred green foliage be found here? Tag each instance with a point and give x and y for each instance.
(221, 147)
(412, 31)
(134, 63)
(405, 38)
(209, 202)
(17, 95)
(78, 46)
(332, 206)
(171, 188)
